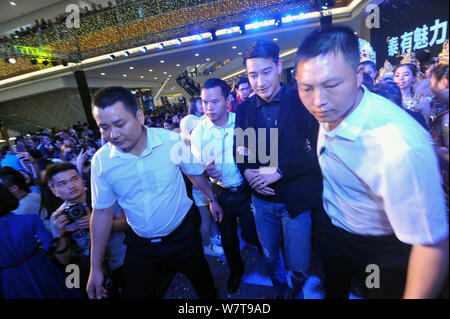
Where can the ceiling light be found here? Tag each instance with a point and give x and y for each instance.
(207, 59)
(165, 72)
(170, 75)
(178, 64)
(275, 39)
(150, 70)
(234, 47)
(162, 61)
(141, 76)
(10, 60)
(12, 3)
(196, 54)
(155, 78)
(103, 73)
(240, 53)
(131, 67)
(124, 75)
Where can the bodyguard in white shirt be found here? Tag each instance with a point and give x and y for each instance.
(212, 145)
(384, 210)
(140, 167)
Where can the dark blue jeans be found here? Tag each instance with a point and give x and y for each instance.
(276, 230)
(346, 256)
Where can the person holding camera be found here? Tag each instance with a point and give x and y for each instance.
(72, 220)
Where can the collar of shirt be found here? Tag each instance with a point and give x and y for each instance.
(276, 99)
(230, 123)
(152, 142)
(353, 124)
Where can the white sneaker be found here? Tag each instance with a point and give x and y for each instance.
(213, 250)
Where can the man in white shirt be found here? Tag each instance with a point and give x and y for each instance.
(384, 219)
(212, 145)
(140, 167)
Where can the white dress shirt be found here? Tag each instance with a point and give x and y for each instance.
(150, 187)
(381, 174)
(210, 142)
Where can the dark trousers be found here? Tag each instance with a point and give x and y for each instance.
(147, 264)
(236, 205)
(346, 256)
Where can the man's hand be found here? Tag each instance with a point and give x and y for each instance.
(59, 224)
(212, 170)
(216, 211)
(95, 287)
(259, 179)
(25, 159)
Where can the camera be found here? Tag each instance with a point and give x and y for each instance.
(74, 211)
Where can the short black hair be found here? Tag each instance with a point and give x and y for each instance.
(261, 48)
(390, 91)
(216, 82)
(8, 202)
(56, 168)
(242, 80)
(11, 177)
(330, 39)
(106, 97)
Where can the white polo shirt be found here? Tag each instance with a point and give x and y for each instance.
(381, 174)
(210, 142)
(150, 187)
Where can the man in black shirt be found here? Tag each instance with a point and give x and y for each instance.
(286, 184)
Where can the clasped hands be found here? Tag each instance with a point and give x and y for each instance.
(260, 178)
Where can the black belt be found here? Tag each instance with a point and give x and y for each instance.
(232, 189)
(161, 240)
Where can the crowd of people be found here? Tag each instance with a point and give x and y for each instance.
(348, 163)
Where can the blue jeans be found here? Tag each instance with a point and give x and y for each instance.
(276, 229)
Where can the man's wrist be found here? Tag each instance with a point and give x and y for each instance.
(213, 199)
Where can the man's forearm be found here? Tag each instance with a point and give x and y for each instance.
(101, 222)
(427, 270)
(202, 183)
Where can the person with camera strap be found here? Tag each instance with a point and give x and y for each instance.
(70, 223)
